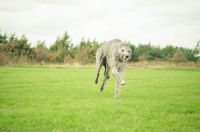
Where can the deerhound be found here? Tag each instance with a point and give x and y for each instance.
(113, 55)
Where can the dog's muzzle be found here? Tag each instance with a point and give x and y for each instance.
(125, 59)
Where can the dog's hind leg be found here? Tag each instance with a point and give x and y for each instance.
(106, 76)
(99, 63)
(97, 76)
(106, 68)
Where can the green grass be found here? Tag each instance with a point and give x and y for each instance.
(53, 99)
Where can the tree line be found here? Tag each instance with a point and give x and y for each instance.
(17, 50)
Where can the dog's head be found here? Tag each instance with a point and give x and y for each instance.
(124, 52)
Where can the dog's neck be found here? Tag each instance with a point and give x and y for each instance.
(118, 60)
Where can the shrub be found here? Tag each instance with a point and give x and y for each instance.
(41, 56)
(82, 58)
(142, 57)
(179, 56)
(4, 59)
(68, 59)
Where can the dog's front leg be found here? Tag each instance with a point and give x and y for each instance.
(118, 76)
(117, 85)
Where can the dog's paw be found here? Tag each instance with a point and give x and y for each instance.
(122, 82)
(116, 96)
(95, 81)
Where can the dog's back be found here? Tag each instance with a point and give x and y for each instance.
(107, 46)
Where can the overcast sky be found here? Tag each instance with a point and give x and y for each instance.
(161, 22)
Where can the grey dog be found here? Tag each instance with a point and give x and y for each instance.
(113, 55)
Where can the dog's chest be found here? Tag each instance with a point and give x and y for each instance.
(120, 66)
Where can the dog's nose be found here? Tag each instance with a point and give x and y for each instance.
(127, 56)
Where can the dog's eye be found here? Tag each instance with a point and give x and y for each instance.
(122, 50)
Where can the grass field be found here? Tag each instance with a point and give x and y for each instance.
(58, 99)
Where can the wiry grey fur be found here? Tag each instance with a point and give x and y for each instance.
(113, 55)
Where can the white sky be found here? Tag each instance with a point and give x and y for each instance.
(161, 22)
